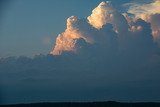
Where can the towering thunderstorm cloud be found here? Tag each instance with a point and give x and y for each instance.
(106, 56)
(107, 23)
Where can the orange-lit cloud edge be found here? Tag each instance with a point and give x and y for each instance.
(91, 28)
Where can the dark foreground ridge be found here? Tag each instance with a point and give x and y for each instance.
(87, 104)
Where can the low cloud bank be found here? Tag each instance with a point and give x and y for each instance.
(106, 56)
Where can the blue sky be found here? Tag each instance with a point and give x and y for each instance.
(29, 27)
(108, 56)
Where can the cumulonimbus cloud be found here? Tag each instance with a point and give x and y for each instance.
(95, 28)
(150, 12)
(102, 56)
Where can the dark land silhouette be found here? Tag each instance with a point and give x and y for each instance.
(87, 104)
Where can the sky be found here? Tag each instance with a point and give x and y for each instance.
(29, 27)
(91, 50)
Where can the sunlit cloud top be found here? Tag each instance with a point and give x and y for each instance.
(150, 12)
(149, 8)
(106, 27)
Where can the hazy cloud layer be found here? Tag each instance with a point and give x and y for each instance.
(106, 56)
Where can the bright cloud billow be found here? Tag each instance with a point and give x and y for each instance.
(108, 55)
(149, 12)
(93, 28)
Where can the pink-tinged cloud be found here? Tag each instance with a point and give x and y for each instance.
(150, 12)
(107, 27)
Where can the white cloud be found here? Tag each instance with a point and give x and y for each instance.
(101, 15)
(106, 50)
(107, 28)
(146, 8)
(150, 12)
(106, 13)
(76, 29)
(92, 29)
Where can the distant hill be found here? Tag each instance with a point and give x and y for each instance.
(87, 104)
